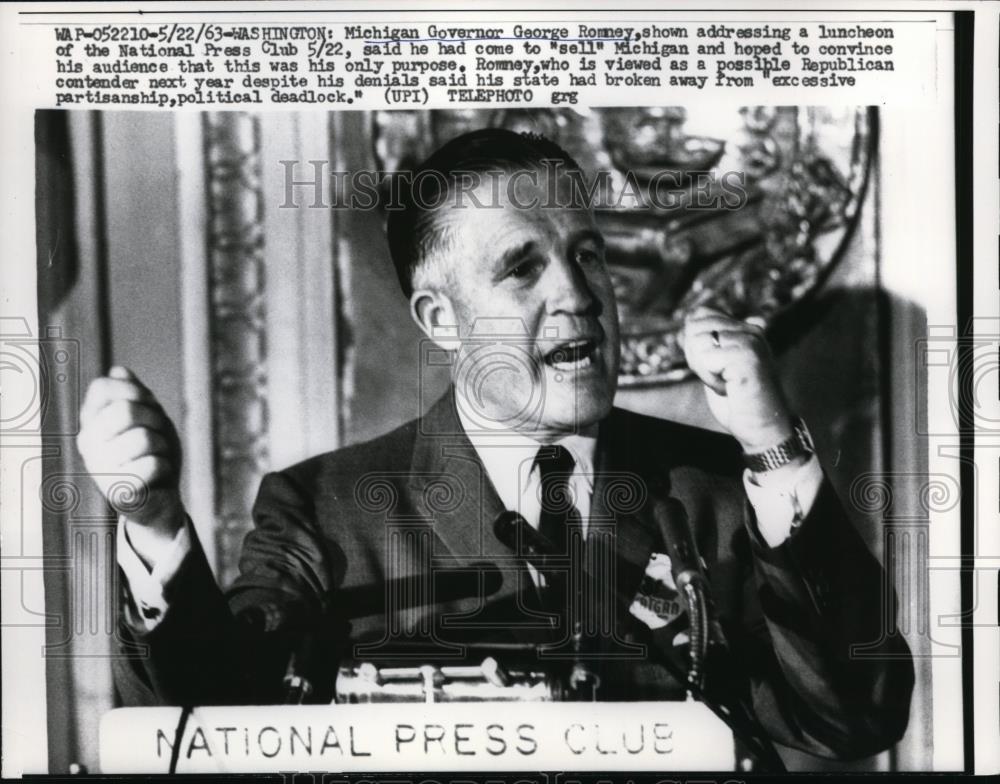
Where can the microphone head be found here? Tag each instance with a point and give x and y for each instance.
(506, 527)
(516, 533)
(673, 522)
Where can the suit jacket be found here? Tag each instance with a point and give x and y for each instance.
(370, 549)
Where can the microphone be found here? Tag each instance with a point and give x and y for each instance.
(689, 575)
(692, 581)
(673, 521)
(515, 532)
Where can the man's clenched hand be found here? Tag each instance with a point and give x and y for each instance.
(733, 360)
(124, 432)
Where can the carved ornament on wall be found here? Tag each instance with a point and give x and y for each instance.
(755, 210)
(238, 325)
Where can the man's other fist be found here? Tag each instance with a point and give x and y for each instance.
(734, 362)
(124, 431)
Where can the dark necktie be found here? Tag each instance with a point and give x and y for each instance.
(558, 515)
(558, 504)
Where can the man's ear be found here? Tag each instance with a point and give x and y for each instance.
(434, 314)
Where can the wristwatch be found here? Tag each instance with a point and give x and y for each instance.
(799, 444)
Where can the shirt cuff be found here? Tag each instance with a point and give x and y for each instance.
(147, 586)
(782, 506)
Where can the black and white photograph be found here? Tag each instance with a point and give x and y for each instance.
(587, 437)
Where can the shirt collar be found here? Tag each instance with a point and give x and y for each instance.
(503, 452)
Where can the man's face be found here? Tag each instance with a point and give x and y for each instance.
(535, 309)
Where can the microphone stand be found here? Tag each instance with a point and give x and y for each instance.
(694, 586)
(735, 714)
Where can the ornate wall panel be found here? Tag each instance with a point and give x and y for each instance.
(239, 345)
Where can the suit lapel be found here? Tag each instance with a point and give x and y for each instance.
(450, 487)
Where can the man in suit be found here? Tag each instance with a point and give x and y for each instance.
(504, 269)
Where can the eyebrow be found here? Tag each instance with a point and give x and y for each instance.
(511, 255)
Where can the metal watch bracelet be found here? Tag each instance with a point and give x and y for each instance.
(799, 444)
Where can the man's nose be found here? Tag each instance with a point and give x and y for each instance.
(568, 289)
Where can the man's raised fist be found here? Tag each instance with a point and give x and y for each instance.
(125, 434)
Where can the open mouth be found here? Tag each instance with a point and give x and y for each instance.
(572, 355)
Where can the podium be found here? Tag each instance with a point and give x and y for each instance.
(390, 737)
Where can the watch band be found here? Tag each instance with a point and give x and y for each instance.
(799, 444)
